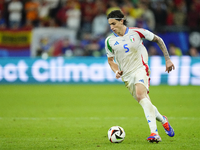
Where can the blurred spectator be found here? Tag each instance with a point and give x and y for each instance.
(174, 51)
(2, 22)
(31, 8)
(15, 8)
(55, 6)
(2, 5)
(43, 12)
(100, 4)
(160, 13)
(126, 8)
(45, 47)
(88, 17)
(137, 11)
(134, 2)
(101, 43)
(73, 15)
(177, 2)
(148, 16)
(193, 16)
(88, 14)
(54, 3)
(67, 48)
(85, 39)
(152, 51)
(28, 25)
(193, 52)
(180, 14)
(69, 14)
(197, 5)
(63, 47)
(52, 22)
(112, 5)
(100, 24)
(90, 45)
(170, 13)
(61, 14)
(141, 21)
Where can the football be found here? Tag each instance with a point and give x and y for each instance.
(116, 134)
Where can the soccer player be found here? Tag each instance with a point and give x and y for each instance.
(128, 58)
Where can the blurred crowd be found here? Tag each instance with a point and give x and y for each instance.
(88, 18)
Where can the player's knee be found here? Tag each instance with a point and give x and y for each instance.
(139, 96)
(141, 92)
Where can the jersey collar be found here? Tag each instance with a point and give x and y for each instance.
(127, 29)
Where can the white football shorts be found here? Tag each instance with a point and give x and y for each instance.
(140, 76)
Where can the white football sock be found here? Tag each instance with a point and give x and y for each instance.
(149, 112)
(159, 117)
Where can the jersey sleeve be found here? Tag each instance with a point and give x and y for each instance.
(108, 48)
(143, 33)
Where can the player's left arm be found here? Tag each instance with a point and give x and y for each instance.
(161, 44)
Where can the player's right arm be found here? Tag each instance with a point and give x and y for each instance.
(114, 67)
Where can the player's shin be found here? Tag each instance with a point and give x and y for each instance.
(149, 112)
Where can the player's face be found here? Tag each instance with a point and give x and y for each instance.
(115, 25)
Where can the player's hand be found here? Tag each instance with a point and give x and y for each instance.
(169, 66)
(118, 74)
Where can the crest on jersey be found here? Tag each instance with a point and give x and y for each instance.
(132, 38)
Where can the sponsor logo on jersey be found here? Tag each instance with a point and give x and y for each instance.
(141, 80)
(116, 43)
(132, 38)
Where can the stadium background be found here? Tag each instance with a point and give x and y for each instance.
(57, 33)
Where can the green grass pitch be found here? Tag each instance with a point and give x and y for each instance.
(77, 117)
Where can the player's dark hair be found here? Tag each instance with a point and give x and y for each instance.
(117, 14)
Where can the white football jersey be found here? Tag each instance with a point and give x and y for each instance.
(128, 50)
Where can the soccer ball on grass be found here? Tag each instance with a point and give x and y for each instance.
(116, 134)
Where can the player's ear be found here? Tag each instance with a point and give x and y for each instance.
(121, 21)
